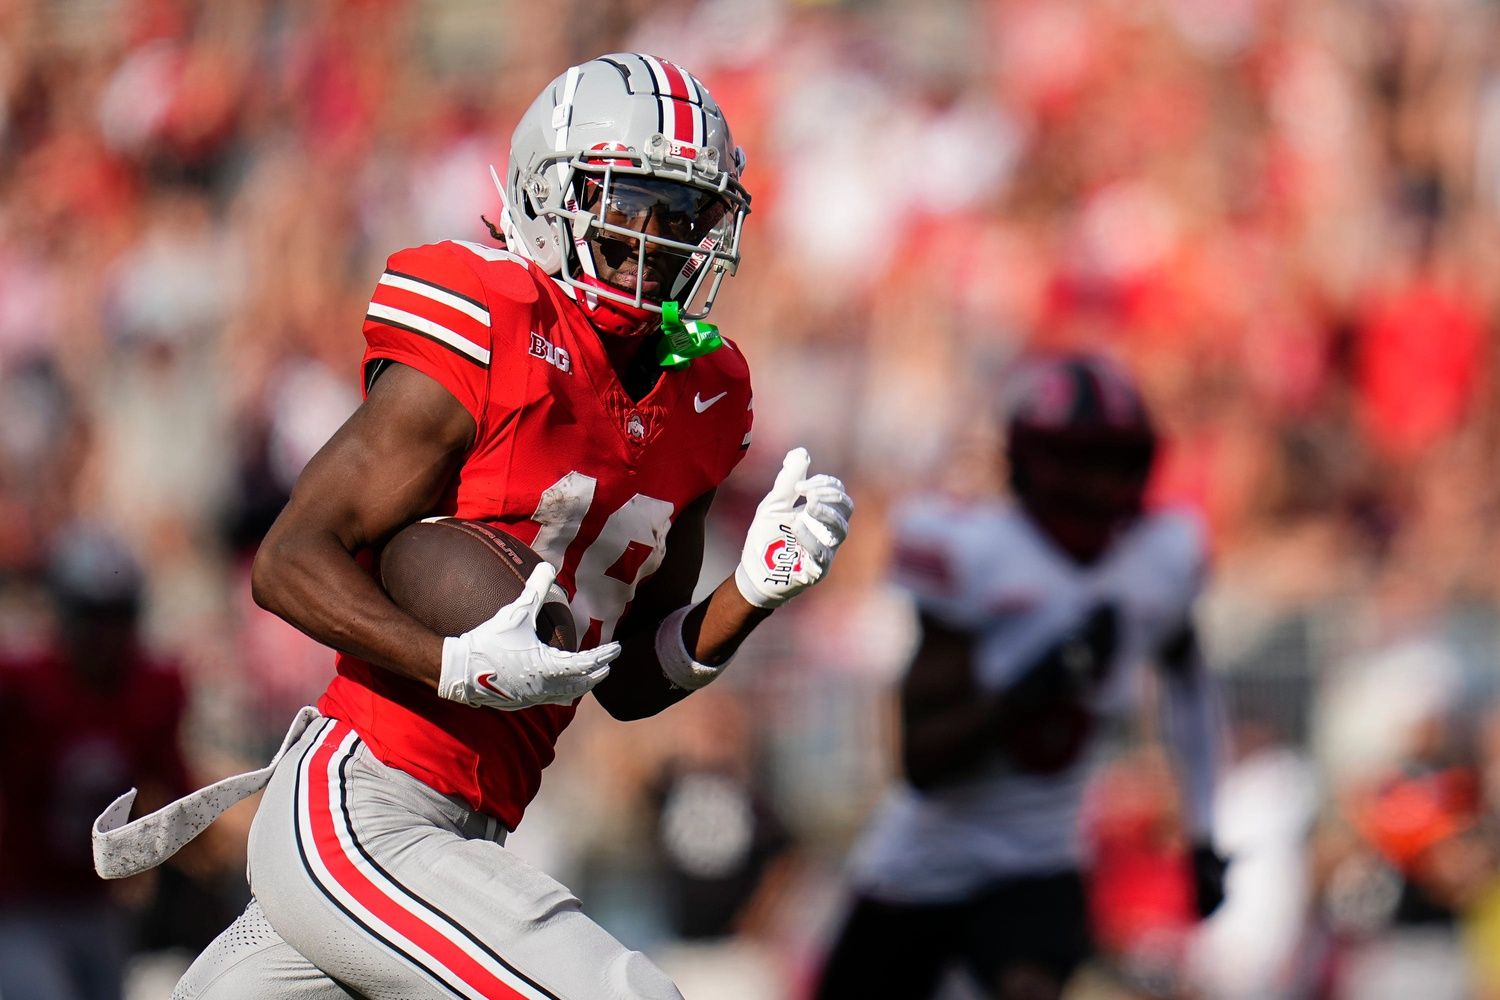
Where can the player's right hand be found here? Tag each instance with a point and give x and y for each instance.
(503, 664)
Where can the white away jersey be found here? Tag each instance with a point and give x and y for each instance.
(985, 568)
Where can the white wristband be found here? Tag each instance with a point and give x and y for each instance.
(676, 662)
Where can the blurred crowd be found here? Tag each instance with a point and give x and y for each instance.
(1283, 215)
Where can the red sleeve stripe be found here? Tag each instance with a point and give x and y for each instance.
(437, 293)
(424, 327)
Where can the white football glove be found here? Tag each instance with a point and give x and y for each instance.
(789, 547)
(502, 664)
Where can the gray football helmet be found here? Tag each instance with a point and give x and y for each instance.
(624, 183)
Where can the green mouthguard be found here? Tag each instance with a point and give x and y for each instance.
(681, 341)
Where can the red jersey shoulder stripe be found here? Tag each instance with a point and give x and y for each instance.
(442, 266)
(411, 322)
(429, 292)
(437, 293)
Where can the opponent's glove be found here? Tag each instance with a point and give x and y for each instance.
(1209, 867)
(503, 664)
(790, 547)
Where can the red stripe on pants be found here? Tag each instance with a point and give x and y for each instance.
(371, 896)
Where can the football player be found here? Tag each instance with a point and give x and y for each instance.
(1034, 613)
(566, 387)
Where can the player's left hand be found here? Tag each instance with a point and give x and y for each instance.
(796, 532)
(1209, 867)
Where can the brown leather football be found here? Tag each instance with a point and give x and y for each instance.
(452, 574)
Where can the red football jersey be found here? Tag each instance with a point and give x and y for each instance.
(563, 459)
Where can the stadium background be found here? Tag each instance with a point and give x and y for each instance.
(1281, 213)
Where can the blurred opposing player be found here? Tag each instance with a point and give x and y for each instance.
(566, 388)
(1034, 618)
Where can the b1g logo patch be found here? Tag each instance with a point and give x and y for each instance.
(557, 357)
(782, 557)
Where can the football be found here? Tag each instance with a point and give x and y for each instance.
(452, 574)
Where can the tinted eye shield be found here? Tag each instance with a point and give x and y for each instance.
(677, 211)
(685, 199)
(672, 230)
(667, 212)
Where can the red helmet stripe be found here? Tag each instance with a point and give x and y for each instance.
(691, 98)
(676, 97)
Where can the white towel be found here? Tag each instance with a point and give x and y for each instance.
(122, 849)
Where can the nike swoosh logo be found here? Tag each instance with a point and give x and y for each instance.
(488, 681)
(700, 404)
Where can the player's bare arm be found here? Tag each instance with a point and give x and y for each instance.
(711, 631)
(384, 468)
(948, 727)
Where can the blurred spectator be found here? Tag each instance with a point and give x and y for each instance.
(1420, 362)
(87, 715)
(1259, 943)
(1140, 889)
(1422, 829)
(724, 857)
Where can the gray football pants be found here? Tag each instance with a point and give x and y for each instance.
(367, 883)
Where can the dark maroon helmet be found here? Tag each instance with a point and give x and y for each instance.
(1080, 445)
